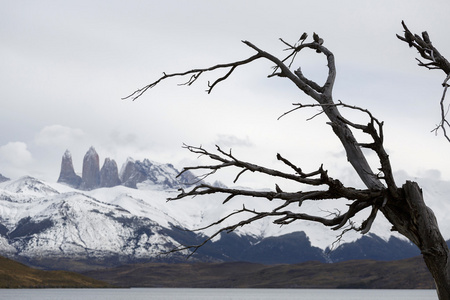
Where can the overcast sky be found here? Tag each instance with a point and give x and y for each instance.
(66, 64)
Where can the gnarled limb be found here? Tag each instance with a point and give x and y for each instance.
(319, 177)
(332, 189)
(426, 49)
(433, 61)
(195, 74)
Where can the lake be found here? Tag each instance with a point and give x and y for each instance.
(229, 294)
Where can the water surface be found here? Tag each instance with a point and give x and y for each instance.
(229, 294)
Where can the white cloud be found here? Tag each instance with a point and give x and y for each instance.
(15, 154)
(15, 159)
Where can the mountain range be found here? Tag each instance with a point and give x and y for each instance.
(108, 218)
(132, 173)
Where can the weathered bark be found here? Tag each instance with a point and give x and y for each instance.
(411, 217)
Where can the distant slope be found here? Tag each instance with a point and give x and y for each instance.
(55, 226)
(17, 275)
(403, 274)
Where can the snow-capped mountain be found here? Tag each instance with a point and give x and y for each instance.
(51, 220)
(38, 220)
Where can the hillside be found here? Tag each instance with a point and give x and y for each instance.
(403, 274)
(17, 275)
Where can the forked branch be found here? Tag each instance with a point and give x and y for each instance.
(433, 61)
(195, 74)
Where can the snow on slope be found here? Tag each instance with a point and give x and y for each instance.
(131, 221)
(86, 224)
(201, 211)
(29, 186)
(74, 223)
(192, 213)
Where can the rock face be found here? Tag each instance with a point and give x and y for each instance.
(130, 174)
(91, 171)
(67, 174)
(109, 174)
(163, 175)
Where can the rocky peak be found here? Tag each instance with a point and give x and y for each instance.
(130, 174)
(3, 178)
(91, 170)
(109, 175)
(67, 174)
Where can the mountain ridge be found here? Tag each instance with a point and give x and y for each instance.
(48, 224)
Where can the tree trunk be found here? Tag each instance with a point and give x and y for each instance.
(412, 218)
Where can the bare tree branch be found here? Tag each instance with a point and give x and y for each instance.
(436, 61)
(195, 74)
(281, 218)
(444, 123)
(227, 160)
(335, 190)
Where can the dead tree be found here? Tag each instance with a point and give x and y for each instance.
(433, 61)
(403, 206)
